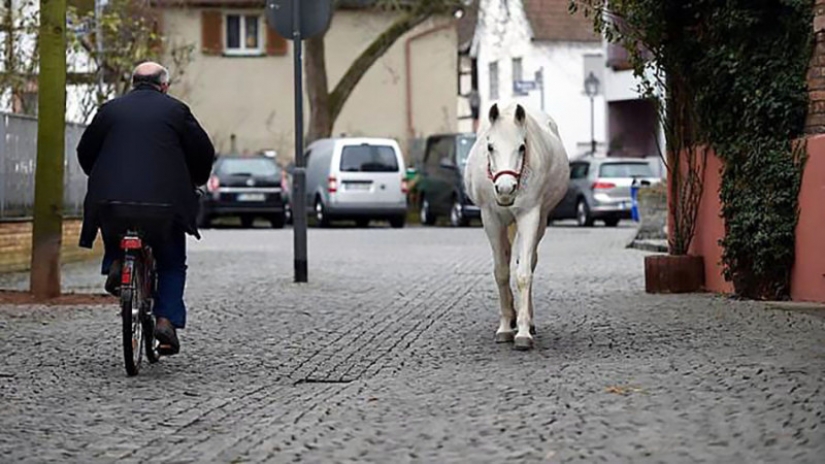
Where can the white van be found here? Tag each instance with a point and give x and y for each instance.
(357, 179)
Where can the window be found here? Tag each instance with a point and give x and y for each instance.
(494, 80)
(578, 171)
(248, 167)
(243, 34)
(518, 74)
(619, 170)
(368, 158)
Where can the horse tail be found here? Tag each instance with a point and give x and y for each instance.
(511, 233)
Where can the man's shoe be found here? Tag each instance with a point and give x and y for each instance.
(113, 280)
(167, 337)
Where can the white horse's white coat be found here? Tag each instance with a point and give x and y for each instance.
(522, 150)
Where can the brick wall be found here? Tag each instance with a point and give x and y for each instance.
(16, 245)
(816, 74)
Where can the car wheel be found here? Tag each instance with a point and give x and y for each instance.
(288, 215)
(426, 214)
(321, 213)
(583, 217)
(203, 220)
(398, 222)
(278, 221)
(612, 222)
(457, 218)
(247, 222)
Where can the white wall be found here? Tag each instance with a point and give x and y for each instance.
(504, 33)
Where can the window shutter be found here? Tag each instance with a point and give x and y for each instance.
(275, 44)
(211, 32)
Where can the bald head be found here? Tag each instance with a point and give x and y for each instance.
(151, 73)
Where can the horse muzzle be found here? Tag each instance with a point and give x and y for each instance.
(506, 188)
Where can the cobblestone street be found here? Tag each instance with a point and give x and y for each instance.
(387, 356)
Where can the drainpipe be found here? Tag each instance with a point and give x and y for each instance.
(408, 63)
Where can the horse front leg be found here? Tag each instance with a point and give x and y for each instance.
(530, 235)
(500, 243)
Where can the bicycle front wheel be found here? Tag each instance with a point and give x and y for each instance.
(130, 313)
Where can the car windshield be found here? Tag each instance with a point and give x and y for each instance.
(248, 167)
(618, 170)
(465, 144)
(368, 158)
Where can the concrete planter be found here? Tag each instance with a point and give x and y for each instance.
(674, 274)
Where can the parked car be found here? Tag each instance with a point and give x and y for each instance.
(248, 187)
(440, 185)
(359, 179)
(599, 189)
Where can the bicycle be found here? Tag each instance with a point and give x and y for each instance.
(137, 288)
(135, 224)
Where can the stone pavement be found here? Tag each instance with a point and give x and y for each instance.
(387, 356)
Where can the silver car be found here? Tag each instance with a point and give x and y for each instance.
(599, 189)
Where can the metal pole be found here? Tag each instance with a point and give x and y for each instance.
(299, 210)
(541, 86)
(592, 129)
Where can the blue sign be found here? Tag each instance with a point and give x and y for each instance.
(524, 86)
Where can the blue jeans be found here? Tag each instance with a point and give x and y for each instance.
(170, 261)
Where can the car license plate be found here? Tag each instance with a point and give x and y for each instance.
(251, 197)
(360, 187)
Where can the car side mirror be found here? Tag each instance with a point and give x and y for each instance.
(447, 163)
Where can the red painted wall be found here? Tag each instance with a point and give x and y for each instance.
(808, 279)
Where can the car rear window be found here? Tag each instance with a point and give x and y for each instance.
(369, 158)
(617, 170)
(248, 167)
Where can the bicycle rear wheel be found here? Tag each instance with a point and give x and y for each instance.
(130, 301)
(150, 342)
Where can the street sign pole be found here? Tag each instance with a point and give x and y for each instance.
(299, 19)
(299, 212)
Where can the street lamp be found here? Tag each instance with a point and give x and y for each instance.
(591, 89)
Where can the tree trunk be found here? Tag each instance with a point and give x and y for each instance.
(320, 122)
(51, 126)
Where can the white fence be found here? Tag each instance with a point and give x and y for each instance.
(18, 154)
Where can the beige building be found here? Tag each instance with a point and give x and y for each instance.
(239, 82)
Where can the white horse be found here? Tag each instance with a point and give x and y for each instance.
(517, 172)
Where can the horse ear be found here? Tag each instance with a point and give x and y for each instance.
(520, 114)
(494, 114)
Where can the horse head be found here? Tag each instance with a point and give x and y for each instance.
(506, 151)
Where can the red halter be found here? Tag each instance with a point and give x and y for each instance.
(493, 176)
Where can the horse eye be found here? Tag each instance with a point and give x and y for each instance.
(490, 148)
(522, 148)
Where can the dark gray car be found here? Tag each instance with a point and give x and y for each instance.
(599, 189)
(440, 184)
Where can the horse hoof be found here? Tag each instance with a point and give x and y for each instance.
(504, 337)
(524, 343)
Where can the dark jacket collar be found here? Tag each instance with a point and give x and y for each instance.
(145, 87)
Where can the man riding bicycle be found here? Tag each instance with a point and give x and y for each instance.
(147, 147)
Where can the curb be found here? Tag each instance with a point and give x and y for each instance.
(654, 246)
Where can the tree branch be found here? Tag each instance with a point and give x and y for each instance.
(368, 57)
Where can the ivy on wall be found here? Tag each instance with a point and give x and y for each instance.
(741, 67)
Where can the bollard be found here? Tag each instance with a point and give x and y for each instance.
(634, 201)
